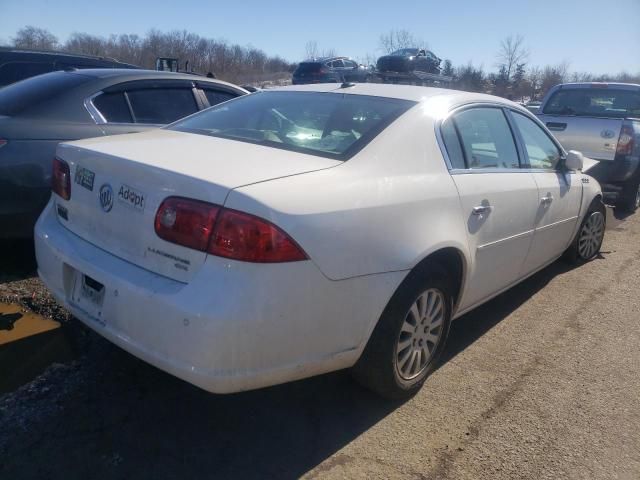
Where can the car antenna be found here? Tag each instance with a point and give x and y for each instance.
(347, 84)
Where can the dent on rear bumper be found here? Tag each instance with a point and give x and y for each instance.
(236, 326)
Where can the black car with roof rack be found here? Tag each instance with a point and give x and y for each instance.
(17, 64)
(412, 65)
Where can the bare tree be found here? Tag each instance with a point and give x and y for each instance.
(397, 39)
(534, 77)
(86, 44)
(512, 53)
(311, 49)
(36, 38)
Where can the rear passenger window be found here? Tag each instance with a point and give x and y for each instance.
(541, 151)
(487, 141)
(452, 144)
(113, 107)
(162, 105)
(217, 96)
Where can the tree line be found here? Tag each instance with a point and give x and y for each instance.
(231, 62)
(513, 78)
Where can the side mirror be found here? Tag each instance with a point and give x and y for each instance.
(574, 160)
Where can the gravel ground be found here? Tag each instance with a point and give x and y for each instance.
(541, 382)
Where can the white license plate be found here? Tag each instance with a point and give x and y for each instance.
(88, 294)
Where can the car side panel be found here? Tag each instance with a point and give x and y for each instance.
(499, 239)
(383, 210)
(555, 219)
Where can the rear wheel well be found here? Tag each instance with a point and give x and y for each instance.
(451, 261)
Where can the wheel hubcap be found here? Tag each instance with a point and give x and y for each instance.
(638, 197)
(420, 334)
(591, 235)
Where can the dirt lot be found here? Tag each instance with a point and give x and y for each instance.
(542, 382)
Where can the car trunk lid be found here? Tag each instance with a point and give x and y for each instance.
(118, 183)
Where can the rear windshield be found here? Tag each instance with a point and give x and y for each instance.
(35, 91)
(332, 125)
(594, 102)
(308, 67)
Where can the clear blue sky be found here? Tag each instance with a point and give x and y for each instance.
(592, 35)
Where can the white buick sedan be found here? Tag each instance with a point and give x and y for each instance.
(298, 231)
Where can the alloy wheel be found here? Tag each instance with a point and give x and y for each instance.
(591, 235)
(420, 334)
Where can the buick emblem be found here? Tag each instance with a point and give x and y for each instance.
(607, 134)
(106, 197)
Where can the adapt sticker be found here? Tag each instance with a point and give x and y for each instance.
(131, 197)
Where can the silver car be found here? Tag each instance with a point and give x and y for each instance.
(602, 120)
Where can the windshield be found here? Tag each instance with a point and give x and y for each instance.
(406, 51)
(328, 124)
(594, 102)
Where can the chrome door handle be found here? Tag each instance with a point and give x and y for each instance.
(546, 200)
(482, 209)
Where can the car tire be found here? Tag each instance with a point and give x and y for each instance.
(629, 199)
(588, 240)
(409, 338)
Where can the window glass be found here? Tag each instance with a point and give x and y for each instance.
(541, 151)
(337, 64)
(162, 105)
(113, 107)
(350, 64)
(327, 124)
(15, 71)
(218, 96)
(452, 144)
(594, 102)
(487, 140)
(36, 91)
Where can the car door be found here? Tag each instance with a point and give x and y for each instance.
(559, 193)
(137, 106)
(498, 198)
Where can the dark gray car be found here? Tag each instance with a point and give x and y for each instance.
(330, 70)
(38, 113)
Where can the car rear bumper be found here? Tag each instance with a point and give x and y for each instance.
(236, 326)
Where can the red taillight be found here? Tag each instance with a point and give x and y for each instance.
(61, 179)
(223, 232)
(3, 142)
(245, 237)
(626, 140)
(186, 222)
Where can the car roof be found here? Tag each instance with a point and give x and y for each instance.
(618, 85)
(403, 92)
(124, 74)
(324, 59)
(53, 53)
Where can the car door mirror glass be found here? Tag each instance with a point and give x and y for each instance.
(574, 160)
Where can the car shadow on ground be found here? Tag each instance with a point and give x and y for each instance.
(125, 418)
(17, 260)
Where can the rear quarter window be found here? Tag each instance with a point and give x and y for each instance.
(113, 107)
(215, 97)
